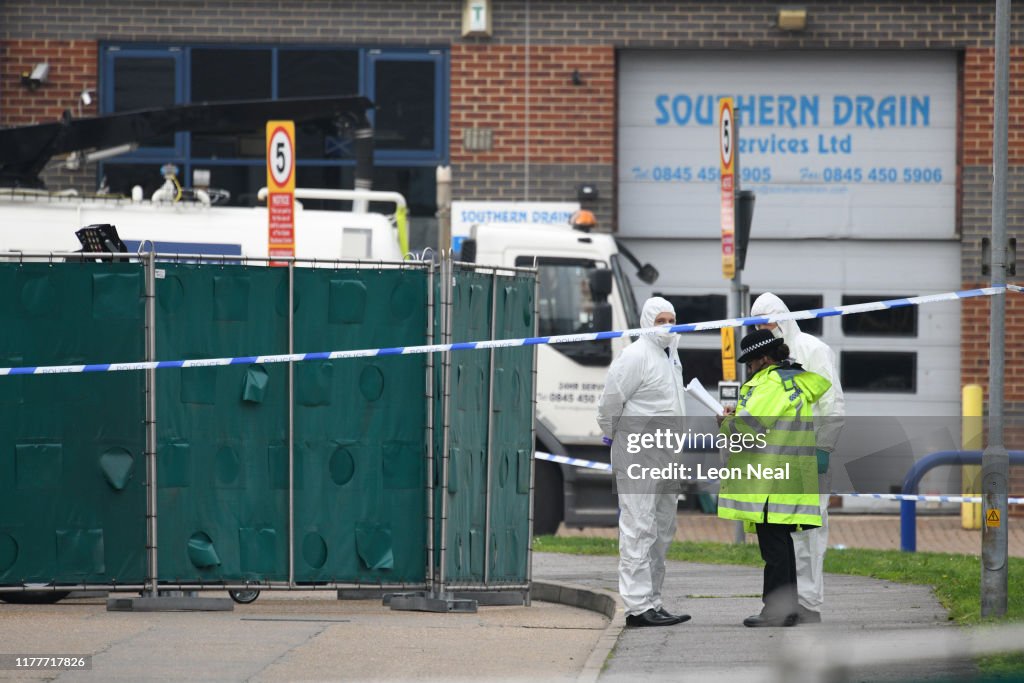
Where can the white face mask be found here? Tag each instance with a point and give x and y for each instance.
(777, 331)
(663, 339)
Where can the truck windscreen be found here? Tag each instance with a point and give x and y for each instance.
(566, 305)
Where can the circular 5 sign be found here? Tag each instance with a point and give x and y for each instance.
(281, 157)
(725, 133)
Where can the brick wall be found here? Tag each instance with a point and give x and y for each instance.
(548, 135)
(976, 217)
(72, 69)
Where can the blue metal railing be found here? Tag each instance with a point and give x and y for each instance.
(908, 508)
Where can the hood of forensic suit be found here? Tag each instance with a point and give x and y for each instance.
(652, 308)
(769, 304)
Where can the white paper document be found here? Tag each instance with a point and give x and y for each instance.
(697, 390)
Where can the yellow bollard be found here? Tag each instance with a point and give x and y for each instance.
(971, 438)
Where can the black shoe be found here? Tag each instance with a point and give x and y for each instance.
(771, 620)
(680, 618)
(807, 616)
(649, 618)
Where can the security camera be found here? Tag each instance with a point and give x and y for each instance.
(38, 76)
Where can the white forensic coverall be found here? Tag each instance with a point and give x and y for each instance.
(645, 381)
(816, 356)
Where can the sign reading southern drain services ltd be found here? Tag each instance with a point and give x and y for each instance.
(835, 144)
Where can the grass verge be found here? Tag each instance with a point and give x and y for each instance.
(956, 579)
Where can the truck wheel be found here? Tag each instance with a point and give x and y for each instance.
(34, 597)
(548, 503)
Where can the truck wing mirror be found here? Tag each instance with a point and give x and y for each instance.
(602, 321)
(600, 281)
(647, 273)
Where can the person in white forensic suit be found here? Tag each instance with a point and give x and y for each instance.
(815, 356)
(644, 382)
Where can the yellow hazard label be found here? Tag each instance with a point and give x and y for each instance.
(728, 354)
(992, 518)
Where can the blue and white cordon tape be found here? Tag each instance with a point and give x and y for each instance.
(606, 467)
(502, 343)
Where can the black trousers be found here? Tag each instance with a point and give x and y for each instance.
(779, 593)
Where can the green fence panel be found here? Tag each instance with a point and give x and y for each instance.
(360, 426)
(72, 471)
(467, 418)
(511, 433)
(222, 439)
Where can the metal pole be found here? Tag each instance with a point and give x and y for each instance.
(291, 425)
(151, 493)
(995, 467)
(430, 429)
(533, 435)
(444, 209)
(490, 431)
(447, 275)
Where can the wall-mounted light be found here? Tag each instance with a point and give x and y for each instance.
(39, 74)
(792, 18)
(586, 192)
(577, 78)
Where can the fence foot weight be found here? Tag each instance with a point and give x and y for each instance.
(426, 601)
(494, 598)
(364, 593)
(170, 604)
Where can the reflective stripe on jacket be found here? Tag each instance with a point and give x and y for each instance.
(774, 426)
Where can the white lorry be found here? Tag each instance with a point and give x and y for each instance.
(43, 222)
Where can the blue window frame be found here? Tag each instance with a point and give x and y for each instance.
(408, 85)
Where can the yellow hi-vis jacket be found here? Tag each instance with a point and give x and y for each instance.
(774, 478)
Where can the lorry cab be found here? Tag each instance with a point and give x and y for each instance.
(582, 287)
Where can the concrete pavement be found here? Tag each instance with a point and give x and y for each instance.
(304, 636)
(715, 646)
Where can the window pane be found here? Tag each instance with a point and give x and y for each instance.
(704, 364)
(802, 302)
(226, 75)
(696, 308)
(318, 73)
(566, 307)
(879, 371)
(626, 292)
(145, 83)
(315, 73)
(894, 322)
(405, 104)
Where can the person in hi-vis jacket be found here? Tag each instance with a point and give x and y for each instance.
(644, 382)
(817, 357)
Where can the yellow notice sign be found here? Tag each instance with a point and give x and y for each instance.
(992, 518)
(729, 354)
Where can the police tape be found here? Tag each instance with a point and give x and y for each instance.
(505, 343)
(606, 467)
(1015, 288)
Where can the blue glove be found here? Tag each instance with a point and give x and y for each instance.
(822, 460)
(606, 441)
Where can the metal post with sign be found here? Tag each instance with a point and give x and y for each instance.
(995, 461)
(727, 158)
(280, 189)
